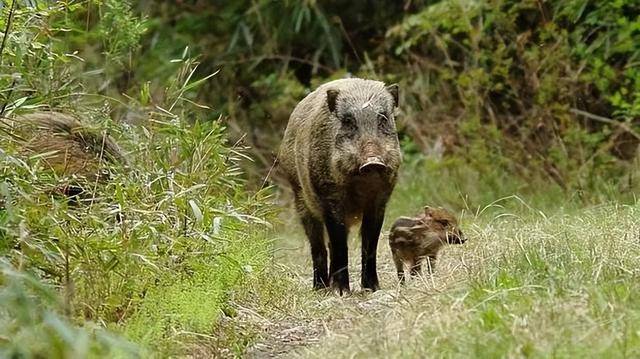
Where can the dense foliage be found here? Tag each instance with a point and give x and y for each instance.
(540, 89)
(498, 97)
(154, 253)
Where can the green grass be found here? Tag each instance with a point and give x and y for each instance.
(161, 248)
(543, 274)
(31, 325)
(523, 286)
(188, 306)
(462, 187)
(188, 237)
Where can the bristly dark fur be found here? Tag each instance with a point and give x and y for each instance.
(71, 129)
(340, 153)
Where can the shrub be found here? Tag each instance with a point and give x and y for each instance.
(532, 88)
(155, 252)
(31, 324)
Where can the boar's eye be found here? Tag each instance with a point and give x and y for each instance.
(383, 123)
(348, 120)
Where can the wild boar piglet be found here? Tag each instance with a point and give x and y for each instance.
(415, 239)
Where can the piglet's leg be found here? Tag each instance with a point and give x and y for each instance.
(399, 267)
(416, 267)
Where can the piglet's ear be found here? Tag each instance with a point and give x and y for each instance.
(393, 90)
(428, 213)
(402, 232)
(419, 227)
(332, 98)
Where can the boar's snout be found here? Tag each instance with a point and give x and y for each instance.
(372, 164)
(371, 158)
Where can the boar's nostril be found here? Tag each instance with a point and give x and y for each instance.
(372, 164)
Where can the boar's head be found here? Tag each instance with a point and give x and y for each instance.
(363, 123)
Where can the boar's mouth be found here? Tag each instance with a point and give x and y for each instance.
(372, 164)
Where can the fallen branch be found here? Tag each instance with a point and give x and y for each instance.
(591, 116)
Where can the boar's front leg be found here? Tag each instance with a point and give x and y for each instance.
(339, 267)
(370, 232)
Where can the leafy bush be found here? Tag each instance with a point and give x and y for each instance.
(155, 252)
(536, 89)
(31, 326)
(514, 84)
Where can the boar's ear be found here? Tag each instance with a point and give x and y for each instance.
(332, 97)
(393, 90)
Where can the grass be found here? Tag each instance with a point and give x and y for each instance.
(552, 279)
(187, 238)
(157, 252)
(161, 248)
(187, 307)
(531, 286)
(461, 187)
(31, 325)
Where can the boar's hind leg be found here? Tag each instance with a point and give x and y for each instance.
(315, 233)
(339, 254)
(370, 232)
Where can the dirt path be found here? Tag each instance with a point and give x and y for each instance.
(306, 323)
(296, 334)
(536, 286)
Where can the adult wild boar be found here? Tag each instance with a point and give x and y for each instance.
(341, 155)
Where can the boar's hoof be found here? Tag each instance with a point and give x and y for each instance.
(370, 287)
(341, 291)
(369, 281)
(340, 283)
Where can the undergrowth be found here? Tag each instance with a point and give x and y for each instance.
(31, 324)
(514, 113)
(153, 255)
(524, 285)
